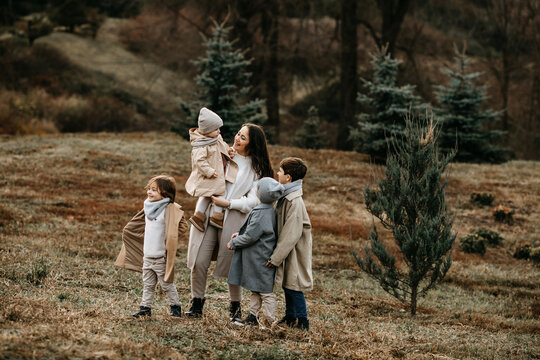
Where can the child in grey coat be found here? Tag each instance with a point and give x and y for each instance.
(253, 245)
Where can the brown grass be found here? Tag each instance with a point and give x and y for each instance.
(65, 198)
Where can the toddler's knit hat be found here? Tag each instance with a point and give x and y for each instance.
(209, 121)
(269, 190)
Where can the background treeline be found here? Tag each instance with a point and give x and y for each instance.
(303, 54)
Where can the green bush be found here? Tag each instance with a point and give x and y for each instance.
(523, 251)
(472, 244)
(482, 199)
(492, 237)
(39, 270)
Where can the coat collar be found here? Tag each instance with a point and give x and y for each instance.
(294, 195)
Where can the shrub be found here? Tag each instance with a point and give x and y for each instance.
(535, 254)
(38, 272)
(492, 237)
(523, 251)
(472, 244)
(482, 199)
(503, 214)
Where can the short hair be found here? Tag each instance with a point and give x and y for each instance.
(166, 186)
(293, 166)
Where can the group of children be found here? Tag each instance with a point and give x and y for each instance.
(272, 247)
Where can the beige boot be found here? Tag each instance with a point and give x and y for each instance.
(198, 220)
(217, 220)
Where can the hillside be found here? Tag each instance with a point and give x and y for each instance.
(65, 198)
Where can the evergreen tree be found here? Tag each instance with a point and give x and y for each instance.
(389, 105)
(462, 118)
(309, 136)
(410, 202)
(223, 82)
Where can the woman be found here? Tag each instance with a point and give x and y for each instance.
(240, 197)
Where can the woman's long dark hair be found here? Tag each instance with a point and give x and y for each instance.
(258, 151)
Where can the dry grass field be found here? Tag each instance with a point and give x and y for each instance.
(65, 198)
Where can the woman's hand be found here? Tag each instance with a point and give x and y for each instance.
(232, 152)
(221, 201)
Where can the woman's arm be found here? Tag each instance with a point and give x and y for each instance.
(243, 204)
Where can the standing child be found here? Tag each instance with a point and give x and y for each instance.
(252, 246)
(208, 163)
(292, 254)
(150, 241)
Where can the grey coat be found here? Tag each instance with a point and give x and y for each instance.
(252, 249)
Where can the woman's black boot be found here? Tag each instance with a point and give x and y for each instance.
(235, 311)
(196, 307)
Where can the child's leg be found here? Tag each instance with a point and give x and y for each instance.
(269, 304)
(300, 309)
(289, 304)
(202, 204)
(168, 288)
(255, 303)
(149, 283)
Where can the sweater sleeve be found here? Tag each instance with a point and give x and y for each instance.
(246, 202)
(252, 233)
(200, 161)
(289, 235)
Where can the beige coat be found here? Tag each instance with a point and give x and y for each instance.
(131, 253)
(292, 254)
(205, 162)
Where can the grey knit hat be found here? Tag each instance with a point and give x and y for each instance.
(269, 190)
(209, 121)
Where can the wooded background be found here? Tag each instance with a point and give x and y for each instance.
(304, 53)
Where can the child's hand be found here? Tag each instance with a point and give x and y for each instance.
(232, 152)
(269, 264)
(215, 175)
(234, 235)
(229, 246)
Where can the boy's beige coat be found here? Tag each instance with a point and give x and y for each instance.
(205, 161)
(131, 254)
(292, 254)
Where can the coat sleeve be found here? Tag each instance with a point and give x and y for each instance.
(200, 161)
(291, 232)
(246, 202)
(182, 226)
(251, 234)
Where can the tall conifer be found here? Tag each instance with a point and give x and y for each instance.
(462, 118)
(223, 85)
(410, 202)
(387, 104)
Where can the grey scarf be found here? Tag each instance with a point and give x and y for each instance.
(152, 209)
(205, 141)
(289, 188)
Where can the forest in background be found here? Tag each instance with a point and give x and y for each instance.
(304, 54)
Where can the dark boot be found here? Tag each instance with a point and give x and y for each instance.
(288, 320)
(143, 311)
(196, 307)
(303, 323)
(176, 310)
(235, 311)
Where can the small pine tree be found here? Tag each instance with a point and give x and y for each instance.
(389, 105)
(462, 118)
(309, 136)
(410, 201)
(223, 82)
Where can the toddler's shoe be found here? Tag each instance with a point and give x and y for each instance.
(176, 310)
(217, 220)
(143, 312)
(198, 220)
(251, 320)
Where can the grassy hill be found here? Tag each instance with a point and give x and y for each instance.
(65, 198)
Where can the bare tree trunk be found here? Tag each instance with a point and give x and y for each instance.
(349, 87)
(270, 29)
(393, 13)
(414, 296)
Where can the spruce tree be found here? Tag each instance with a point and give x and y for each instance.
(410, 202)
(223, 84)
(387, 104)
(462, 118)
(310, 136)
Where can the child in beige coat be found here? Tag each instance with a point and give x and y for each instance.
(209, 158)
